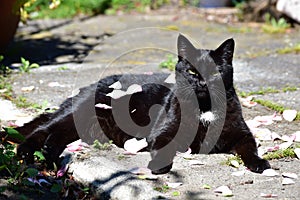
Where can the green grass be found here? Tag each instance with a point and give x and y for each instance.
(293, 49)
(286, 153)
(273, 26)
(169, 63)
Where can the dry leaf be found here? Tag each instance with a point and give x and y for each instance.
(289, 115)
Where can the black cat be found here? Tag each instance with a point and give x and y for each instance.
(201, 111)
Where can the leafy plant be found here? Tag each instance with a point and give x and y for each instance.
(4, 70)
(274, 26)
(170, 63)
(26, 66)
(100, 146)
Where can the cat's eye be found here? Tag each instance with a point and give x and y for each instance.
(192, 72)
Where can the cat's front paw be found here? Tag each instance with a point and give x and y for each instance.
(153, 167)
(24, 151)
(259, 165)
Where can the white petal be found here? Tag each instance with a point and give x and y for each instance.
(262, 133)
(116, 94)
(297, 152)
(297, 136)
(134, 89)
(238, 173)
(117, 85)
(174, 185)
(133, 145)
(289, 175)
(275, 136)
(235, 163)
(287, 181)
(195, 162)
(224, 190)
(27, 89)
(270, 172)
(285, 145)
(289, 115)
(103, 106)
(171, 79)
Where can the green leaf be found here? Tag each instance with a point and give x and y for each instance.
(2, 167)
(32, 172)
(56, 188)
(39, 155)
(34, 65)
(176, 193)
(14, 134)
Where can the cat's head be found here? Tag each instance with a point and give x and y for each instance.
(200, 67)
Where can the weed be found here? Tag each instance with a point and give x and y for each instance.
(26, 66)
(62, 68)
(4, 70)
(286, 153)
(100, 146)
(170, 63)
(273, 26)
(163, 188)
(233, 158)
(286, 50)
(22, 102)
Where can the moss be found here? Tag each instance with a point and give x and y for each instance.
(286, 50)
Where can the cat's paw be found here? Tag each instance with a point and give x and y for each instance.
(25, 152)
(163, 170)
(259, 165)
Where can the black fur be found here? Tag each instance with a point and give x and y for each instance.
(174, 127)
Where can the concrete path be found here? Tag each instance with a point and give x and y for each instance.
(76, 53)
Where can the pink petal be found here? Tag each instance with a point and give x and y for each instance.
(285, 145)
(262, 133)
(265, 120)
(62, 170)
(253, 123)
(270, 173)
(275, 136)
(297, 136)
(268, 195)
(76, 146)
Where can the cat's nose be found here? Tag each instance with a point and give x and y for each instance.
(202, 84)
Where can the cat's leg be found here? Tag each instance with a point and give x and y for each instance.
(163, 151)
(33, 142)
(247, 149)
(28, 128)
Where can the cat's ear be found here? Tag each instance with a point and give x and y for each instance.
(184, 47)
(225, 50)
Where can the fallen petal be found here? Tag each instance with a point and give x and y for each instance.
(134, 89)
(270, 173)
(195, 162)
(116, 94)
(76, 145)
(174, 185)
(133, 145)
(287, 138)
(140, 171)
(285, 145)
(238, 173)
(44, 181)
(55, 84)
(289, 175)
(287, 181)
(262, 133)
(224, 190)
(265, 120)
(171, 79)
(148, 177)
(235, 163)
(275, 136)
(62, 170)
(117, 85)
(27, 89)
(297, 152)
(289, 115)
(268, 195)
(253, 123)
(103, 106)
(297, 136)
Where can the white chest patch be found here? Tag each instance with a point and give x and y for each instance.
(207, 117)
